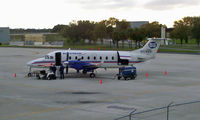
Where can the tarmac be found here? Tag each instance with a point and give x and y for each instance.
(171, 77)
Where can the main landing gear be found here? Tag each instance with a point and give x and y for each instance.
(92, 75)
(29, 73)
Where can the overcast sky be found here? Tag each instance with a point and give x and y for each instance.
(47, 13)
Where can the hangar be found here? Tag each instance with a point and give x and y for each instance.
(4, 35)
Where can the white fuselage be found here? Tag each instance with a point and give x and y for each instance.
(103, 59)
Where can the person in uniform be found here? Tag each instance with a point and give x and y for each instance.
(61, 71)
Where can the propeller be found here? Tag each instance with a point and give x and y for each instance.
(67, 63)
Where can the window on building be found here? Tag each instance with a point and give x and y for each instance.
(82, 57)
(106, 57)
(100, 58)
(70, 57)
(112, 57)
(76, 58)
(88, 58)
(94, 57)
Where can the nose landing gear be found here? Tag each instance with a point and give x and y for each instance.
(92, 75)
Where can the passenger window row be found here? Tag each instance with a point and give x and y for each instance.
(106, 58)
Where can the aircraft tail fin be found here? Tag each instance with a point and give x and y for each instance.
(150, 48)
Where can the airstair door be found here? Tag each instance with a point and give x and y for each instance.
(58, 58)
(123, 59)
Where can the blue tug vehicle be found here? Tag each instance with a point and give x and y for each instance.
(127, 73)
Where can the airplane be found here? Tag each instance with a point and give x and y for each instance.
(90, 60)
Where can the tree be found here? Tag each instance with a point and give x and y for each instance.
(111, 22)
(85, 28)
(100, 31)
(123, 27)
(181, 31)
(138, 35)
(196, 30)
(58, 28)
(152, 29)
(78, 30)
(116, 37)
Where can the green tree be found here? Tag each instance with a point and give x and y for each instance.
(111, 22)
(123, 27)
(152, 29)
(196, 30)
(100, 31)
(58, 28)
(181, 31)
(116, 37)
(138, 35)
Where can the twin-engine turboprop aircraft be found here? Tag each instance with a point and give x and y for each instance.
(88, 61)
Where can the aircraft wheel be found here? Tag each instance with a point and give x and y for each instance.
(119, 77)
(48, 78)
(84, 72)
(38, 76)
(133, 77)
(29, 75)
(92, 75)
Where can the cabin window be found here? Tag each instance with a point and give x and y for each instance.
(112, 57)
(106, 57)
(94, 58)
(76, 58)
(100, 58)
(82, 57)
(70, 57)
(88, 58)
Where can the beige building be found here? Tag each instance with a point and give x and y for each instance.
(34, 39)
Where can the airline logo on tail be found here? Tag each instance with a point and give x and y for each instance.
(152, 45)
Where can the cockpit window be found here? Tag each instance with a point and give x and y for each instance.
(46, 57)
(51, 57)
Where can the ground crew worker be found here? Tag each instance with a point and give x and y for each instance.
(53, 68)
(61, 71)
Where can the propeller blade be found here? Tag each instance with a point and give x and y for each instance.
(67, 69)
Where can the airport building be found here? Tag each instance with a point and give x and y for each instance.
(37, 39)
(4, 35)
(137, 24)
(34, 39)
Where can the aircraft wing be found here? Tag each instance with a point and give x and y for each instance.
(82, 65)
(91, 66)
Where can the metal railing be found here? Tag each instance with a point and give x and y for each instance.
(133, 113)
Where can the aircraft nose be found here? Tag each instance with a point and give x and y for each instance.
(30, 63)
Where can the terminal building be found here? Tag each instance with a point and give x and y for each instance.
(4, 35)
(137, 24)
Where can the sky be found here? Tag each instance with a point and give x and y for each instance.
(48, 13)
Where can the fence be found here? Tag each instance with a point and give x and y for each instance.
(182, 111)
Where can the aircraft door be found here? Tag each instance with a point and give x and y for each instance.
(122, 61)
(58, 58)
